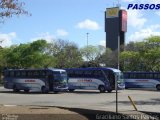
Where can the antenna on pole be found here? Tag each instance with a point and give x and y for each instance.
(118, 4)
(113, 4)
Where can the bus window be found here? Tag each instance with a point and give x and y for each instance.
(126, 75)
(42, 74)
(78, 73)
(98, 74)
(17, 73)
(23, 73)
(30, 74)
(149, 75)
(88, 73)
(11, 73)
(6, 73)
(35, 73)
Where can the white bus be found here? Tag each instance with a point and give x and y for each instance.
(98, 78)
(43, 80)
(142, 80)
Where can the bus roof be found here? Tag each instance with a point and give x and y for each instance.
(95, 68)
(52, 69)
(140, 72)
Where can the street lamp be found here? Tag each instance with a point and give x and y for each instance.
(87, 39)
(87, 45)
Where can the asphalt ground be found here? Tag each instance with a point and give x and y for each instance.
(88, 102)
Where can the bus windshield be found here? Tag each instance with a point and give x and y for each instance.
(120, 78)
(60, 77)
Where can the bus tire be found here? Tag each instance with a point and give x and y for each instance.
(44, 90)
(55, 92)
(15, 89)
(101, 88)
(158, 87)
(71, 90)
(26, 91)
(109, 91)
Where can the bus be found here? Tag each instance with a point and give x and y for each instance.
(142, 80)
(44, 80)
(98, 78)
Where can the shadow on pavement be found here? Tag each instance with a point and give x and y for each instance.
(99, 115)
(153, 115)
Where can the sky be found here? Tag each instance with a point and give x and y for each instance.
(71, 20)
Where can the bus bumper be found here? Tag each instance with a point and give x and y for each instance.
(121, 87)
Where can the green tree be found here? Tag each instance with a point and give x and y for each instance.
(142, 56)
(90, 52)
(66, 53)
(29, 55)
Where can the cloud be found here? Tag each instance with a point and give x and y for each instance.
(46, 36)
(88, 24)
(144, 33)
(7, 39)
(61, 32)
(152, 1)
(136, 19)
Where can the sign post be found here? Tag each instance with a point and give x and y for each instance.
(116, 88)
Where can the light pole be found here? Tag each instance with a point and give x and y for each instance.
(87, 39)
(87, 45)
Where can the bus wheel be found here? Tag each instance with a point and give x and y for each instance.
(101, 89)
(55, 92)
(109, 91)
(15, 89)
(44, 90)
(158, 87)
(71, 90)
(26, 91)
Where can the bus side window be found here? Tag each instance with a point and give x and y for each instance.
(7, 74)
(158, 75)
(98, 74)
(42, 74)
(126, 75)
(149, 75)
(70, 73)
(11, 73)
(78, 73)
(30, 74)
(23, 74)
(88, 73)
(35, 73)
(17, 73)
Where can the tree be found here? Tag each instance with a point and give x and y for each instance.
(142, 56)
(90, 52)
(10, 8)
(30, 55)
(66, 53)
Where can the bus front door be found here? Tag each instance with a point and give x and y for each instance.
(50, 82)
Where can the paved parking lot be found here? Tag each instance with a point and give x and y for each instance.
(146, 100)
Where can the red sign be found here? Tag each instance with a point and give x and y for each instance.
(29, 80)
(84, 80)
(124, 21)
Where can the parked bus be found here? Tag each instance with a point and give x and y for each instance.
(142, 80)
(101, 78)
(43, 80)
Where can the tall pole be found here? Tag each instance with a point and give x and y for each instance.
(87, 45)
(116, 77)
(87, 38)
